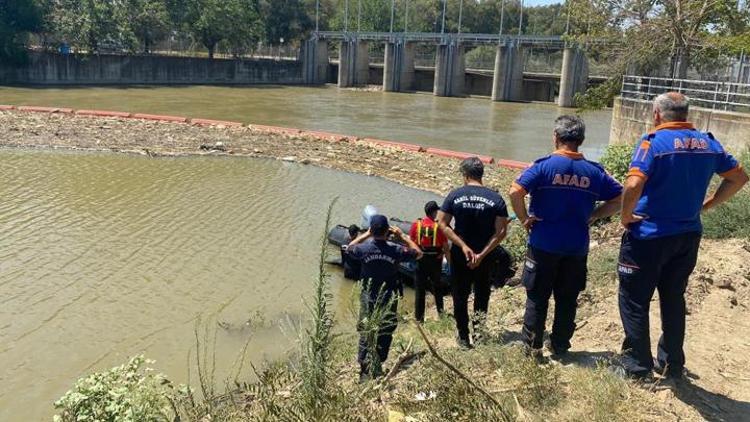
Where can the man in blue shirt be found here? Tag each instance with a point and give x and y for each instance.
(665, 193)
(379, 260)
(564, 189)
(481, 220)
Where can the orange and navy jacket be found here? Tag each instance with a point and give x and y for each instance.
(425, 233)
(678, 162)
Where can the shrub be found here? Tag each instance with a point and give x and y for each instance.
(126, 393)
(731, 218)
(599, 96)
(616, 160)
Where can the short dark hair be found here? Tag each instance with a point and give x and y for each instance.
(570, 129)
(430, 208)
(472, 168)
(353, 231)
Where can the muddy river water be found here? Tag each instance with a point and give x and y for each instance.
(503, 130)
(105, 256)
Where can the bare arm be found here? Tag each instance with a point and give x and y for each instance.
(444, 222)
(501, 230)
(518, 202)
(406, 239)
(606, 209)
(361, 238)
(632, 193)
(730, 185)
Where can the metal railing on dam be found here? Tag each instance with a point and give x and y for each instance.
(728, 96)
(444, 38)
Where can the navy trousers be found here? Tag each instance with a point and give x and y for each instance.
(382, 336)
(662, 264)
(429, 273)
(544, 275)
(462, 282)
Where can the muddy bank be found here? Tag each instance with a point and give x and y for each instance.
(156, 138)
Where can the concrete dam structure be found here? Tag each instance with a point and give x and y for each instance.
(450, 67)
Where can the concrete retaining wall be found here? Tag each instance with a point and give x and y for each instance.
(632, 118)
(56, 69)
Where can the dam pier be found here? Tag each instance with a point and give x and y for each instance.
(399, 67)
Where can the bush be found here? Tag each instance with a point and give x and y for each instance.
(616, 160)
(732, 218)
(599, 96)
(126, 393)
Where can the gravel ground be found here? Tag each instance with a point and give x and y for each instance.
(155, 138)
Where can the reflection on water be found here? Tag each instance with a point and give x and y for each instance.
(504, 130)
(105, 256)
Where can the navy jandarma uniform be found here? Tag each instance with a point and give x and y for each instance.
(660, 252)
(379, 260)
(564, 189)
(475, 210)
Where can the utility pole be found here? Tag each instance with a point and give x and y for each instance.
(520, 21)
(502, 16)
(393, 13)
(567, 20)
(346, 16)
(359, 15)
(460, 14)
(442, 28)
(317, 16)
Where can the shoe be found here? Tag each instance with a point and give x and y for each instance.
(464, 344)
(667, 372)
(619, 371)
(536, 354)
(556, 353)
(364, 377)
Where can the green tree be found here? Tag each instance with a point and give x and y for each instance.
(287, 19)
(246, 30)
(143, 23)
(85, 23)
(214, 21)
(17, 18)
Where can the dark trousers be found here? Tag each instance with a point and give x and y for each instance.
(463, 279)
(429, 272)
(662, 264)
(544, 275)
(378, 337)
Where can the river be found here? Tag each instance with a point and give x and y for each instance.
(105, 256)
(517, 131)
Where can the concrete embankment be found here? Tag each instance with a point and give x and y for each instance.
(154, 135)
(57, 69)
(632, 118)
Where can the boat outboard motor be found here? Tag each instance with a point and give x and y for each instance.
(367, 214)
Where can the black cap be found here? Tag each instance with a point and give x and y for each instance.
(379, 224)
(431, 207)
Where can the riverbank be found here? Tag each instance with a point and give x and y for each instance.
(406, 164)
(422, 388)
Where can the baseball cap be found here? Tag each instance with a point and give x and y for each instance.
(379, 223)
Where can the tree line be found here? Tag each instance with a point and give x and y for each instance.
(632, 35)
(237, 26)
